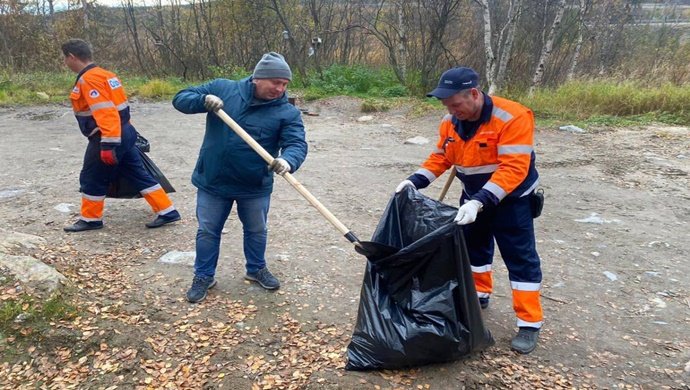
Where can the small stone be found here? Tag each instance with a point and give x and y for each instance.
(281, 257)
(571, 129)
(365, 118)
(43, 95)
(418, 140)
(177, 257)
(612, 277)
(64, 207)
(21, 318)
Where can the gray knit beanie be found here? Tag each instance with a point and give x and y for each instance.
(272, 66)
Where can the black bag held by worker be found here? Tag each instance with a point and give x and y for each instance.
(142, 143)
(418, 306)
(536, 200)
(121, 188)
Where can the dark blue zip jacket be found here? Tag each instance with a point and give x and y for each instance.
(227, 166)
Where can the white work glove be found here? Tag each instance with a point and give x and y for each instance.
(403, 184)
(280, 166)
(213, 103)
(468, 212)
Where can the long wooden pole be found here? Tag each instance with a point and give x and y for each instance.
(287, 176)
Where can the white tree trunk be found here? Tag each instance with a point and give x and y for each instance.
(578, 45)
(402, 53)
(506, 51)
(548, 47)
(488, 49)
(85, 7)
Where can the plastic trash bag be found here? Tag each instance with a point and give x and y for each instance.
(121, 188)
(142, 143)
(418, 306)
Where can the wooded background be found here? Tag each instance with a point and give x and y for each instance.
(521, 44)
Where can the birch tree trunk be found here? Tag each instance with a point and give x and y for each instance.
(488, 47)
(548, 47)
(506, 48)
(85, 7)
(578, 44)
(402, 53)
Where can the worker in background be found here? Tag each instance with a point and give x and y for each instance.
(100, 105)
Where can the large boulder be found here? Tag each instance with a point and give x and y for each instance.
(32, 272)
(10, 241)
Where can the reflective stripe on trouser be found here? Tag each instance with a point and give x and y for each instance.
(157, 199)
(92, 207)
(483, 280)
(511, 225)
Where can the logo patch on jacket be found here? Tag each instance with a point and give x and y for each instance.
(114, 83)
(75, 89)
(94, 94)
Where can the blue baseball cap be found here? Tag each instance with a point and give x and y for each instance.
(453, 81)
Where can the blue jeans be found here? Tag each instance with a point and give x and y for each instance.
(212, 212)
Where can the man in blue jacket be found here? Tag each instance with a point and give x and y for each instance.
(229, 172)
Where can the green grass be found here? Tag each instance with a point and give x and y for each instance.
(593, 103)
(609, 103)
(38, 314)
(375, 105)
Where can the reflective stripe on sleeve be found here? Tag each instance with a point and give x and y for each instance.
(82, 113)
(501, 114)
(515, 149)
(426, 173)
(530, 189)
(122, 106)
(101, 105)
(495, 189)
(111, 140)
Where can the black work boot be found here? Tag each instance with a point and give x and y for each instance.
(164, 219)
(82, 225)
(525, 341)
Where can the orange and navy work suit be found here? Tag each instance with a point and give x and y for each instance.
(495, 160)
(100, 105)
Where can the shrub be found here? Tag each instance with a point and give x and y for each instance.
(156, 88)
(375, 106)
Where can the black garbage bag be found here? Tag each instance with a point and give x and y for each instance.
(121, 188)
(142, 143)
(418, 306)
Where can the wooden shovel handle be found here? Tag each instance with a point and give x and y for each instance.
(446, 186)
(287, 176)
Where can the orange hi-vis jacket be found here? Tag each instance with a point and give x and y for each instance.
(496, 162)
(100, 105)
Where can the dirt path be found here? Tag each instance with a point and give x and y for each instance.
(616, 288)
